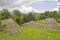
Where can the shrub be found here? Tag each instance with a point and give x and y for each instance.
(2, 27)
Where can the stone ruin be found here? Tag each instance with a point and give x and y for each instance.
(50, 21)
(50, 24)
(32, 24)
(12, 28)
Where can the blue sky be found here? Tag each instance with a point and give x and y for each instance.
(45, 5)
(29, 5)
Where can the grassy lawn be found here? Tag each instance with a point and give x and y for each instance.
(32, 34)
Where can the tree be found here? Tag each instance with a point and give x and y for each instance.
(47, 14)
(31, 17)
(42, 16)
(5, 14)
(25, 18)
(17, 13)
(0, 16)
(18, 21)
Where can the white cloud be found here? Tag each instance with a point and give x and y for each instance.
(27, 9)
(15, 3)
(28, 2)
(25, 4)
(51, 0)
(54, 9)
(9, 3)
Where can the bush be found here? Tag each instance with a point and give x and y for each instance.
(2, 27)
(58, 21)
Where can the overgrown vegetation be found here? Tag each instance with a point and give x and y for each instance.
(2, 27)
(30, 33)
(21, 18)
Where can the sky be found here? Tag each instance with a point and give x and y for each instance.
(29, 5)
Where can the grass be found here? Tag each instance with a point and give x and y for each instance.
(57, 25)
(41, 21)
(32, 34)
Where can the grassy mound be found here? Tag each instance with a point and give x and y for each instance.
(32, 34)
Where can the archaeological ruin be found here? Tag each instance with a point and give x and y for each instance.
(12, 28)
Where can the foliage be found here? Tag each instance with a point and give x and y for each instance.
(5, 14)
(18, 21)
(0, 16)
(31, 17)
(16, 14)
(25, 19)
(22, 18)
(2, 27)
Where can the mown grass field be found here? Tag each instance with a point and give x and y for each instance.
(32, 34)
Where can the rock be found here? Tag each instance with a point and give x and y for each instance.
(12, 28)
(50, 21)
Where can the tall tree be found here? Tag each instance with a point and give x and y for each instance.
(16, 14)
(5, 14)
(31, 17)
(25, 18)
